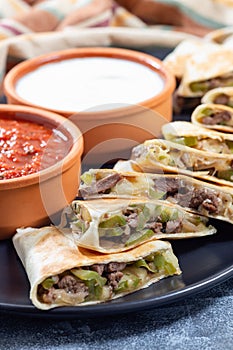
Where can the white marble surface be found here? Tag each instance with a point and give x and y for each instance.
(203, 321)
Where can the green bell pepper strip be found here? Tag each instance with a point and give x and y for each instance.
(168, 214)
(88, 275)
(139, 237)
(143, 263)
(48, 283)
(189, 141)
(143, 217)
(160, 263)
(87, 178)
(225, 174)
(113, 221)
(110, 232)
(229, 145)
(207, 112)
(201, 86)
(128, 282)
(154, 194)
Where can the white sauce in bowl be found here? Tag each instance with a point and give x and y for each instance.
(94, 83)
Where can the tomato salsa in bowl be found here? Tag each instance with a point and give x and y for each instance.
(40, 158)
(27, 147)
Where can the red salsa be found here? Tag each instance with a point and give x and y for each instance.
(27, 147)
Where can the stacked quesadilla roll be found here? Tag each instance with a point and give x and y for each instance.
(157, 155)
(213, 116)
(205, 71)
(221, 96)
(200, 68)
(197, 196)
(197, 137)
(62, 274)
(116, 225)
(176, 60)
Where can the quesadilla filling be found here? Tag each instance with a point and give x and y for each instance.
(101, 282)
(223, 99)
(209, 116)
(97, 184)
(182, 103)
(204, 143)
(138, 223)
(206, 201)
(206, 85)
(181, 158)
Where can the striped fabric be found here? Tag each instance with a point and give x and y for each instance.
(210, 13)
(9, 8)
(48, 25)
(192, 16)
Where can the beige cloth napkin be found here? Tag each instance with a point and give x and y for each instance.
(33, 27)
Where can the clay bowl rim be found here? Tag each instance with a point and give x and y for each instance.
(154, 63)
(64, 164)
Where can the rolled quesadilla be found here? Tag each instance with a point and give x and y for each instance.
(156, 156)
(61, 274)
(197, 196)
(177, 59)
(197, 137)
(213, 116)
(114, 225)
(221, 35)
(220, 96)
(228, 42)
(205, 71)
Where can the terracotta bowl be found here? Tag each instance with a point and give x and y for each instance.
(116, 126)
(36, 199)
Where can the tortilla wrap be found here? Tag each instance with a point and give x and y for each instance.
(205, 71)
(61, 274)
(221, 35)
(197, 196)
(228, 42)
(162, 156)
(116, 225)
(221, 96)
(176, 60)
(197, 137)
(213, 116)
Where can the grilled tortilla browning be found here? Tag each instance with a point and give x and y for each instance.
(61, 274)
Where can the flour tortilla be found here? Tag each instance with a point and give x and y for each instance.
(210, 96)
(205, 139)
(162, 156)
(197, 116)
(139, 184)
(177, 59)
(203, 66)
(47, 252)
(105, 241)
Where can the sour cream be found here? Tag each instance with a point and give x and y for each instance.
(92, 83)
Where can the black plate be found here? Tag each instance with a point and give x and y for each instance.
(204, 262)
